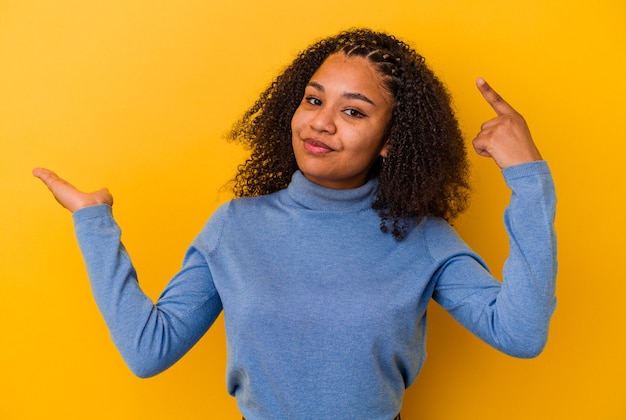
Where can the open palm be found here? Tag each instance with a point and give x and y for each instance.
(69, 196)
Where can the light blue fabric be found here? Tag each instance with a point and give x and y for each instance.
(325, 315)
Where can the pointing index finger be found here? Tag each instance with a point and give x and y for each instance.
(493, 98)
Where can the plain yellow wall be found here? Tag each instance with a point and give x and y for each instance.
(136, 96)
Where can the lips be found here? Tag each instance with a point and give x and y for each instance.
(316, 147)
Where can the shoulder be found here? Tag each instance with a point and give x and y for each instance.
(238, 212)
(440, 239)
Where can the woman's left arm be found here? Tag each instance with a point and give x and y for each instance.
(514, 315)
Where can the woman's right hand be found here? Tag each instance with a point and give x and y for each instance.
(70, 197)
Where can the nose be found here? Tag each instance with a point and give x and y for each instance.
(323, 120)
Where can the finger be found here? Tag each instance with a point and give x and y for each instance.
(481, 151)
(493, 98)
(481, 144)
(68, 196)
(49, 178)
(45, 175)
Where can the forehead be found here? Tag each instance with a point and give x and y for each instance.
(351, 74)
(339, 60)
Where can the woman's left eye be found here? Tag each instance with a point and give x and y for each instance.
(354, 113)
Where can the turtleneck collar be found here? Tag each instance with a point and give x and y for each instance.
(315, 197)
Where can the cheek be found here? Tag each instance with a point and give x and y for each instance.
(294, 127)
(296, 119)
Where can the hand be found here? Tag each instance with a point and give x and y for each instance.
(68, 196)
(505, 138)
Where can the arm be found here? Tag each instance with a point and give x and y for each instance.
(513, 316)
(150, 337)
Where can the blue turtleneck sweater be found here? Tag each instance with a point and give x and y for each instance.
(325, 315)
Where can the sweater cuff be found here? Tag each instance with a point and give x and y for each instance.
(538, 167)
(92, 212)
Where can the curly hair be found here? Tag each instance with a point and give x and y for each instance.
(426, 170)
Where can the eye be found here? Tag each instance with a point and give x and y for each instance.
(313, 100)
(354, 113)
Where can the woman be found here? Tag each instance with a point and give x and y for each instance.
(326, 262)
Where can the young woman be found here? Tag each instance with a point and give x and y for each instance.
(325, 263)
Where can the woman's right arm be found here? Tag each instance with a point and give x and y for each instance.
(150, 337)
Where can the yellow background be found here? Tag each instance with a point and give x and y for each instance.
(136, 96)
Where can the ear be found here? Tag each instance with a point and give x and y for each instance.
(384, 152)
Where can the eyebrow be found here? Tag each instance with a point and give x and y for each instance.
(348, 95)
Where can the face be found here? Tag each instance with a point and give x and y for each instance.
(339, 128)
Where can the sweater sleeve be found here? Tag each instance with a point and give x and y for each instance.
(150, 337)
(513, 316)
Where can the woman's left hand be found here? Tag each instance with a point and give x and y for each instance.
(505, 138)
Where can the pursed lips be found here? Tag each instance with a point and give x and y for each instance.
(317, 147)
